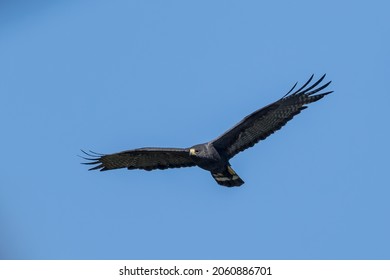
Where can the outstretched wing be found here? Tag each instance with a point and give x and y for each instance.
(263, 122)
(144, 158)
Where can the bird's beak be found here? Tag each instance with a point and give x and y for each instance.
(192, 152)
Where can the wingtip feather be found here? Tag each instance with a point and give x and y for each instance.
(304, 85)
(92, 158)
(290, 90)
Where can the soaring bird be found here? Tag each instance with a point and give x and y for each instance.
(214, 156)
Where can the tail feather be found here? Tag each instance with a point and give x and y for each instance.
(227, 178)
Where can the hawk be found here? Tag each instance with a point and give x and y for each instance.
(214, 156)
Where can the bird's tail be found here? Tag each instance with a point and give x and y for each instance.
(227, 177)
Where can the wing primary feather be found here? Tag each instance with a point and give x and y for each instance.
(95, 153)
(98, 167)
(92, 153)
(302, 87)
(318, 96)
(92, 159)
(326, 93)
(88, 154)
(318, 89)
(290, 90)
(314, 85)
(84, 152)
(89, 163)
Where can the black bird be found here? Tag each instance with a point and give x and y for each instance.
(214, 156)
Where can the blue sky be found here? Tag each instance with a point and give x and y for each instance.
(116, 75)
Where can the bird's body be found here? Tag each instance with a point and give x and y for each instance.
(207, 157)
(214, 156)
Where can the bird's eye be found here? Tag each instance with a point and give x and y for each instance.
(194, 151)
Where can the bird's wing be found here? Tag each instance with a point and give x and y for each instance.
(263, 122)
(144, 158)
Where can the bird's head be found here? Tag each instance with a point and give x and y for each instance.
(204, 152)
(197, 151)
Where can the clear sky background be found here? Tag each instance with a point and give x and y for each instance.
(116, 75)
